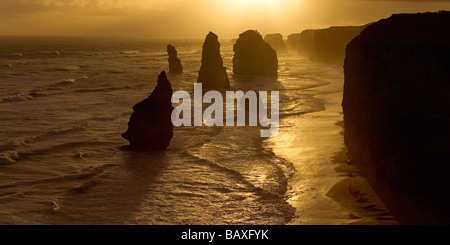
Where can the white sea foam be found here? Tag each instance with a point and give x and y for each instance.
(68, 68)
(64, 82)
(55, 52)
(221, 174)
(130, 52)
(12, 143)
(8, 157)
(71, 81)
(15, 54)
(82, 79)
(16, 97)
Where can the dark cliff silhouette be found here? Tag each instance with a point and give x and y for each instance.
(397, 113)
(253, 56)
(212, 73)
(327, 45)
(150, 126)
(174, 62)
(276, 42)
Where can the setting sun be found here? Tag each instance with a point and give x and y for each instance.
(254, 3)
(252, 6)
(191, 18)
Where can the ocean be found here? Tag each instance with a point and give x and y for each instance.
(64, 102)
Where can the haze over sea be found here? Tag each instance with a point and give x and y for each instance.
(64, 102)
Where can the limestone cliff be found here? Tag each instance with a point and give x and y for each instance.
(327, 45)
(397, 114)
(293, 42)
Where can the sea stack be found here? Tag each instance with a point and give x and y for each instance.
(293, 42)
(150, 127)
(253, 56)
(212, 72)
(276, 42)
(174, 62)
(397, 113)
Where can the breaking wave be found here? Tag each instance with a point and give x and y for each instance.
(16, 98)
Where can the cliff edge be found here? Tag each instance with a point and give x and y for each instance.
(397, 114)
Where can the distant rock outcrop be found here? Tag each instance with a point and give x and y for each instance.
(276, 42)
(174, 62)
(293, 42)
(306, 42)
(212, 73)
(253, 56)
(327, 45)
(397, 113)
(150, 126)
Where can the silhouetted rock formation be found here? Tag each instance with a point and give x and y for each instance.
(276, 42)
(327, 45)
(174, 62)
(253, 56)
(306, 42)
(212, 72)
(397, 113)
(150, 126)
(293, 42)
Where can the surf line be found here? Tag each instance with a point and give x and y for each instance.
(258, 111)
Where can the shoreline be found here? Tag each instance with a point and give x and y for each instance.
(325, 189)
(355, 193)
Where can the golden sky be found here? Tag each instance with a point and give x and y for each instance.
(193, 18)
